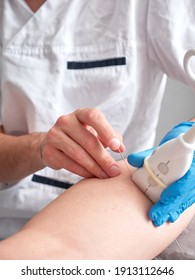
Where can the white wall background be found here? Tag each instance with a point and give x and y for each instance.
(178, 105)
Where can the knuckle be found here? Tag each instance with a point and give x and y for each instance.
(80, 157)
(64, 120)
(95, 169)
(51, 133)
(106, 160)
(93, 114)
(92, 143)
(78, 111)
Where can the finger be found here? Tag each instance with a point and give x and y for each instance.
(160, 221)
(97, 152)
(106, 133)
(177, 190)
(92, 130)
(95, 158)
(122, 147)
(118, 136)
(58, 160)
(172, 193)
(190, 200)
(174, 215)
(75, 151)
(159, 213)
(137, 159)
(187, 201)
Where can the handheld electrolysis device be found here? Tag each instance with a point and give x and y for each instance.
(168, 163)
(187, 64)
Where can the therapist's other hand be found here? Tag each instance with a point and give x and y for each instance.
(178, 196)
(78, 141)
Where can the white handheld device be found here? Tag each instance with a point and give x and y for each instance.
(168, 163)
(187, 64)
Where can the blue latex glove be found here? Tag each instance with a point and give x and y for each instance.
(178, 196)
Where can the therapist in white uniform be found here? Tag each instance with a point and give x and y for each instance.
(63, 58)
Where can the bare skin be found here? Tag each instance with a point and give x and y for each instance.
(35, 5)
(95, 219)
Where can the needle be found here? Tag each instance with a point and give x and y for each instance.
(122, 157)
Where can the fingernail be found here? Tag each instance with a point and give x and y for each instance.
(114, 171)
(122, 148)
(115, 144)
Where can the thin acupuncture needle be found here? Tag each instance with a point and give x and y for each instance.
(127, 166)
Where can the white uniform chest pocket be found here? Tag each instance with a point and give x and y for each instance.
(96, 75)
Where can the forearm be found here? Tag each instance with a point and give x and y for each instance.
(19, 156)
(95, 219)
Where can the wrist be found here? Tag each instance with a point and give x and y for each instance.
(36, 146)
(20, 156)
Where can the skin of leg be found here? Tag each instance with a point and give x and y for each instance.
(95, 219)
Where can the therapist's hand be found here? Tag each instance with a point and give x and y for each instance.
(78, 142)
(178, 196)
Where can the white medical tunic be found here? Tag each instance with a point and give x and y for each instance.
(112, 55)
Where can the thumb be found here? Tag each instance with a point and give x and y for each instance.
(137, 159)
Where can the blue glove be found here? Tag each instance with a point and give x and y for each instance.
(178, 196)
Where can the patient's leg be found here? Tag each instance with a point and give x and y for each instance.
(95, 219)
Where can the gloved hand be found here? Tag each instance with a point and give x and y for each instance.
(178, 196)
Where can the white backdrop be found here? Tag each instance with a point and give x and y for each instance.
(178, 105)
